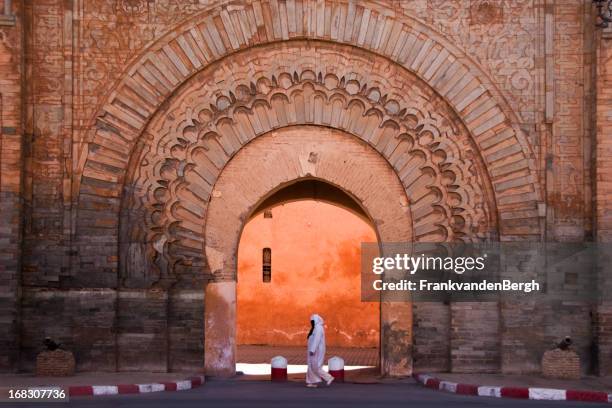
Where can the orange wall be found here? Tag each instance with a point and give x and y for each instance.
(315, 269)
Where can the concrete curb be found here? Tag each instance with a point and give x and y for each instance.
(550, 394)
(95, 390)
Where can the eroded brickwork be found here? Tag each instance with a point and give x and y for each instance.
(11, 199)
(118, 117)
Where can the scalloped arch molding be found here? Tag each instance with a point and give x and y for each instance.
(368, 28)
(187, 146)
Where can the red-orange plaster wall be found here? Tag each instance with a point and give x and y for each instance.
(315, 269)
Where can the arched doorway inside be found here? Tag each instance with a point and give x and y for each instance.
(269, 164)
(299, 254)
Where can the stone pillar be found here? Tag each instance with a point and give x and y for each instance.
(396, 338)
(220, 329)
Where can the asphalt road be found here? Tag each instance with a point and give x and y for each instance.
(255, 394)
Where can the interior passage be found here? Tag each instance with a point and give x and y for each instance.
(314, 267)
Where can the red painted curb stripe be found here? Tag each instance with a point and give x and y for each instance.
(467, 389)
(196, 381)
(576, 395)
(515, 392)
(170, 386)
(79, 390)
(128, 389)
(433, 383)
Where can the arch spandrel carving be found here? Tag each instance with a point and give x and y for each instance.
(374, 29)
(377, 27)
(190, 142)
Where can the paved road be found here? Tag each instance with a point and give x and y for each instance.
(255, 394)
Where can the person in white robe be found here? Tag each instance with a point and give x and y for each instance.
(316, 353)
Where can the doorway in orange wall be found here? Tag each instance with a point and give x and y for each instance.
(300, 254)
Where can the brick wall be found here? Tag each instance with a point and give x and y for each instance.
(82, 320)
(432, 328)
(60, 60)
(561, 364)
(48, 138)
(107, 330)
(57, 363)
(603, 187)
(603, 149)
(11, 158)
(475, 337)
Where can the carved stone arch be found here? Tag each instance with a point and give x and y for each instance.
(437, 161)
(374, 26)
(273, 161)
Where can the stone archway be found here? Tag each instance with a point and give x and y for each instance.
(186, 146)
(374, 28)
(264, 166)
(308, 190)
(198, 96)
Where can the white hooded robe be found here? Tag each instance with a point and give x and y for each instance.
(316, 345)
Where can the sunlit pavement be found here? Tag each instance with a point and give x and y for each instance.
(253, 394)
(297, 354)
(265, 368)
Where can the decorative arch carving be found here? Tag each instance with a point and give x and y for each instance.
(375, 29)
(188, 144)
(375, 26)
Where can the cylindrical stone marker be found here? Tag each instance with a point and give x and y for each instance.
(279, 369)
(336, 368)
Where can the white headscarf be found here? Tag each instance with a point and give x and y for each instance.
(317, 319)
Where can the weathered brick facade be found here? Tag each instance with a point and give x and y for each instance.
(118, 120)
(561, 364)
(58, 363)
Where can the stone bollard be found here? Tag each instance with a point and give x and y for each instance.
(279, 369)
(336, 368)
(564, 364)
(57, 363)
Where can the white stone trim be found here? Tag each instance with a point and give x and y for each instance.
(105, 389)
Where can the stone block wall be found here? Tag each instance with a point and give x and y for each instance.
(59, 60)
(522, 342)
(603, 338)
(509, 336)
(11, 200)
(432, 342)
(142, 317)
(475, 337)
(82, 320)
(186, 330)
(603, 147)
(602, 326)
(109, 330)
